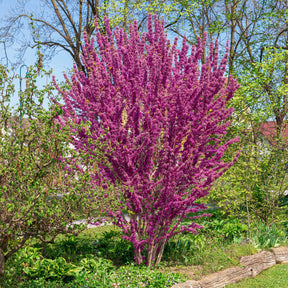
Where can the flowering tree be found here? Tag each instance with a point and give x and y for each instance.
(161, 119)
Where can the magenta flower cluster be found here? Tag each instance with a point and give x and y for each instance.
(161, 115)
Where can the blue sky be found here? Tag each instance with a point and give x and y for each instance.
(59, 63)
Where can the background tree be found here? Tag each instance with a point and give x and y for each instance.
(58, 25)
(161, 119)
(259, 178)
(37, 198)
(55, 24)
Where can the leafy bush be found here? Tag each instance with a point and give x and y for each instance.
(37, 198)
(267, 236)
(71, 248)
(234, 228)
(22, 258)
(100, 266)
(109, 245)
(140, 276)
(185, 249)
(112, 246)
(228, 228)
(57, 269)
(93, 272)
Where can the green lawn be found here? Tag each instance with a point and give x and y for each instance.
(275, 277)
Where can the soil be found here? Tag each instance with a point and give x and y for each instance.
(193, 272)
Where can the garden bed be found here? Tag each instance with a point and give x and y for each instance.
(99, 257)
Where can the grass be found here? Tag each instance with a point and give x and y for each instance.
(275, 277)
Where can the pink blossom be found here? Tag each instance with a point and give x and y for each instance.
(161, 118)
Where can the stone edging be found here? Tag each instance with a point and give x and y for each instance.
(251, 266)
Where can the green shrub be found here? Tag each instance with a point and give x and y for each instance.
(22, 258)
(113, 247)
(267, 236)
(135, 276)
(57, 269)
(234, 229)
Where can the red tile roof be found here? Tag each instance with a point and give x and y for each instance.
(269, 131)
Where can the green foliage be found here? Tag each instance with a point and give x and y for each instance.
(182, 249)
(109, 245)
(254, 185)
(113, 247)
(123, 12)
(90, 271)
(263, 88)
(213, 253)
(85, 268)
(127, 276)
(267, 236)
(57, 269)
(21, 259)
(215, 247)
(100, 266)
(70, 247)
(141, 276)
(38, 199)
(229, 228)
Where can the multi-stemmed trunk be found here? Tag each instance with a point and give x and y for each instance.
(154, 256)
(154, 250)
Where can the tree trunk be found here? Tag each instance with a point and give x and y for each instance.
(2, 263)
(248, 216)
(232, 36)
(155, 252)
(150, 254)
(138, 255)
(160, 253)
